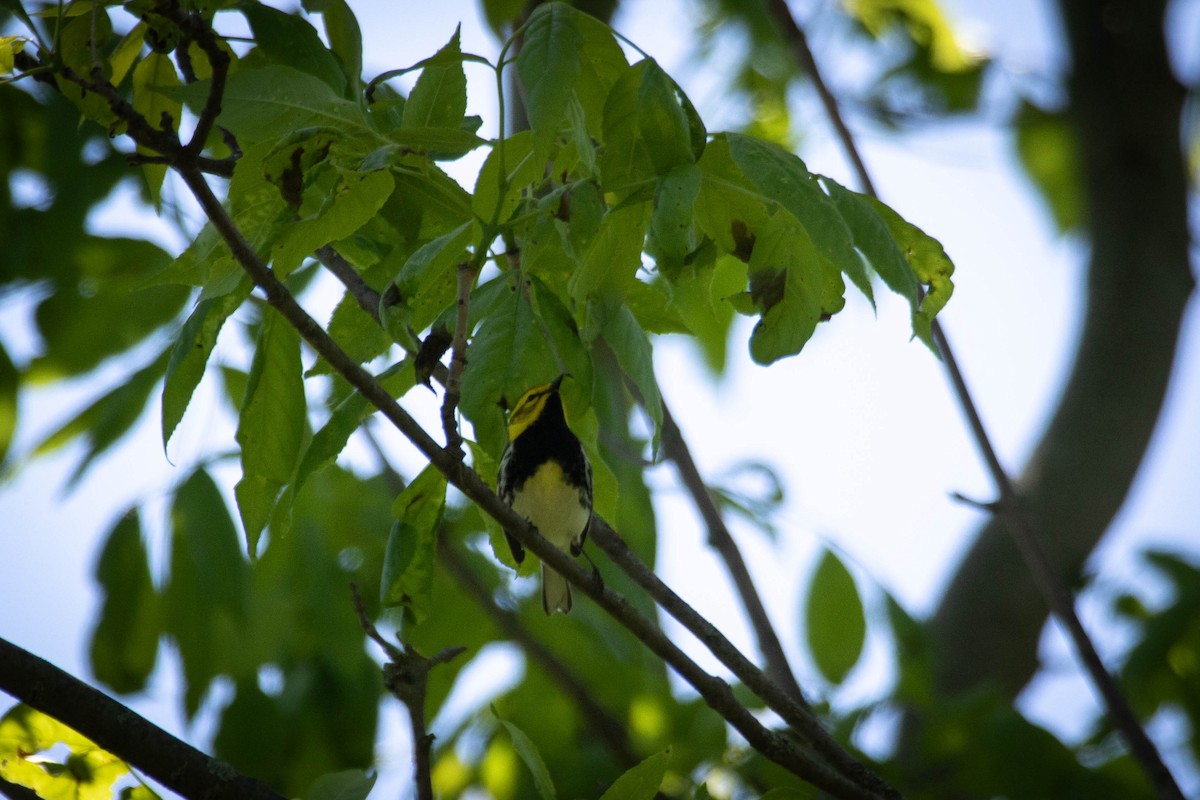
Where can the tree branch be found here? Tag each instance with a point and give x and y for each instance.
(610, 730)
(716, 692)
(721, 540)
(406, 676)
(116, 728)
(458, 356)
(775, 746)
(1014, 513)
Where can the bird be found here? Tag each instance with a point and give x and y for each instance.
(545, 476)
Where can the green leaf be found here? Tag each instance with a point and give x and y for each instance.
(269, 102)
(328, 442)
(699, 296)
(602, 63)
(632, 347)
(356, 331)
(106, 291)
(87, 774)
(521, 170)
(409, 560)
(351, 784)
(640, 782)
(271, 423)
(289, 40)
(189, 355)
(439, 98)
(785, 292)
(125, 641)
(434, 258)
(647, 133)
(10, 46)
(549, 64)
(1049, 152)
(929, 261)
(508, 354)
(10, 384)
(662, 120)
(356, 200)
(782, 177)
(834, 621)
(153, 77)
(528, 752)
(206, 597)
(615, 254)
(345, 39)
(109, 417)
(671, 224)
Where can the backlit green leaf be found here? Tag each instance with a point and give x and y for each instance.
(289, 40)
(640, 782)
(508, 354)
(835, 625)
(929, 261)
(409, 561)
(549, 64)
(268, 102)
(153, 77)
(189, 356)
(206, 596)
(671, 224)
(632, 347)
(782, 177)
(271, 423)
(87, 773)
(345, 38)
(356, 200)
(521, 170)
(528, 752)
(615, 254)
(125, 641)
(785, 291)
(439, 98)
(10, 381)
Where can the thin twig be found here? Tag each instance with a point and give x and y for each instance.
(797, 716)
(1009, 507)
(366, 297)
(119, 730)
(610, 729)
(773, 745)
(458, 357)
(721, 540)
(406, 676)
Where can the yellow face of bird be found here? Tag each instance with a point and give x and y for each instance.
(529, 408)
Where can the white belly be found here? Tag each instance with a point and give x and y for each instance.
(552, 506)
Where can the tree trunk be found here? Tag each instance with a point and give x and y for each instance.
(1126, 106)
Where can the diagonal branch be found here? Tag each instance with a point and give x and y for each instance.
(608, 727)
(406, 676)
(773, 745)
(720, 539)
(1020, 524)
(116, 728)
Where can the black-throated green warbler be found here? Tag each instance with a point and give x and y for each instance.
(546, 477)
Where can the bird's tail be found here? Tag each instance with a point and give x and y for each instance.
(556, 592)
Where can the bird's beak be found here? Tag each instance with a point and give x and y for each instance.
(557, 382)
